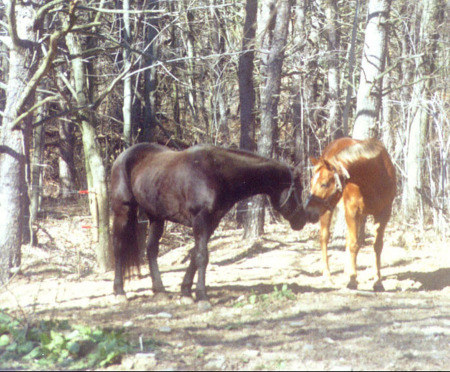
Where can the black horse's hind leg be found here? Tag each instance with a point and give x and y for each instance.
(118, 272)
(186, 286)
(155, 233)
(204, 225)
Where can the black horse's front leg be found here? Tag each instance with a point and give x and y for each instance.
(155, 233)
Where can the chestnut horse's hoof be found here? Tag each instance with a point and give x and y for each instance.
(352, 284)
(378, 286)
(326, 277)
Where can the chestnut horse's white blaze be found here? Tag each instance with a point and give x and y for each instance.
(360, 173)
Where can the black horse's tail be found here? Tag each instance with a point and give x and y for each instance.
(125, 222)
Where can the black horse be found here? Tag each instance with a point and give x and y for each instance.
(195, 187)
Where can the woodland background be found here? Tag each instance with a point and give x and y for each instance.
(81, 80)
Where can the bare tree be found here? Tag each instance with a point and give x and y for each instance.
(276, 30)
(23, 24)
(372, 68)
(422, 92)
(247, 94)
(127, 81)
(95, 169)
(334, 89)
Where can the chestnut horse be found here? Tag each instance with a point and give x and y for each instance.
(362, 174)
(195, 187)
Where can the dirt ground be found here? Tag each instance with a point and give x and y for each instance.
(271, 309)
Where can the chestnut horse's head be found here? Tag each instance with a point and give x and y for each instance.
(327, 184)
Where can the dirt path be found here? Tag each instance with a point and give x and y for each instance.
(303, 324)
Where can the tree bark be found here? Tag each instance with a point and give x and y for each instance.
(12, 150)
(417, 139)
(95, 170)
(334, 89)
(127, 81)
(275, 37)
(150, 75)
(368, 102)
(247, 96)
(66, 164)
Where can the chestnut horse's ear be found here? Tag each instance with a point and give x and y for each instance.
(329, 166)
(314, 161)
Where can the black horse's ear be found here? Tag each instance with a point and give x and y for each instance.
(297, 171)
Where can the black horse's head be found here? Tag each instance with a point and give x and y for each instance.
(290, 203)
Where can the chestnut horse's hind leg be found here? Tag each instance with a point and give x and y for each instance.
(155, 233)
(380, 226)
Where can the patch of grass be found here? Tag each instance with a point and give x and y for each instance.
(57, 345)
(282, 294)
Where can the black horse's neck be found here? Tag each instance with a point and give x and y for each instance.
(247, 174)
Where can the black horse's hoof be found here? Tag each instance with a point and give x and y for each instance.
(204, 305)
(186, 300)
(118, 291)
(161, 296)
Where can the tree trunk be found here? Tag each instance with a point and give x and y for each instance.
(12, 152)
(425, 66)
(334, 90)
(150, 76)
(247, 95)
(37, 166)
(95, 170)
(275, 39)
(368, 102)
(66, 164)
(219, 98)
(351, 68)
(127, 89)
(190, 64)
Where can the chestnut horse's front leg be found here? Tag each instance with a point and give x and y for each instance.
(325, 221)
(353, 222)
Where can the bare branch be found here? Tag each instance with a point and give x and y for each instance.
(46, 64)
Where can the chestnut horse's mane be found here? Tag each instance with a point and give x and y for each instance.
(367, 149)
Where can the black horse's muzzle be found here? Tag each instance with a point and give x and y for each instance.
(312, 207)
